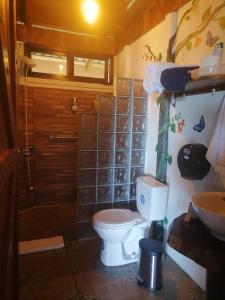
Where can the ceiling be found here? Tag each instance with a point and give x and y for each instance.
(115, 16)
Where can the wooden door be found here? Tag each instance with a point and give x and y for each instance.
(8, 241)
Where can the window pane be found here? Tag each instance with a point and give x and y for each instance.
(87, 67)
(49, 63)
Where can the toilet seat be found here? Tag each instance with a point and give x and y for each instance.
(115, 217)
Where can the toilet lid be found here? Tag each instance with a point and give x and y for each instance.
(115, 217)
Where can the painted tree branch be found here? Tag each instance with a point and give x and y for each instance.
(170, 54)
(183, 43)
(151, 53)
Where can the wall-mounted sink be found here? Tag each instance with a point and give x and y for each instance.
(210, 208)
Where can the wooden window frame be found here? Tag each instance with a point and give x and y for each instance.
(108, 77)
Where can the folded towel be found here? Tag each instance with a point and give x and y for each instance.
(175, 79)
(216, 149)
(131, 244)
(152, 83)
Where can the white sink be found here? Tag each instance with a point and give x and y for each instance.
(210, 208)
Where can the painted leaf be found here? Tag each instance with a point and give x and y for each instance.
(169, 159)
(222, 23)
(206, 14)
(189, 45)
(173, 127)
(188, 18)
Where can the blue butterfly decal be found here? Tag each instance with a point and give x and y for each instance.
(199, 127)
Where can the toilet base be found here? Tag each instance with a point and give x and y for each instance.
(113, 254)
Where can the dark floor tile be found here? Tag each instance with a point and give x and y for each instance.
(106, 283)
(46, 275)
(38, 222)
(84, 254)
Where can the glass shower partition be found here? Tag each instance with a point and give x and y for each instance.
(112, 150)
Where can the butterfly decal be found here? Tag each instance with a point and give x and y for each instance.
(200, 126)
(211, 40)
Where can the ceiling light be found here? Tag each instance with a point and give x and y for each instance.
(90, 10)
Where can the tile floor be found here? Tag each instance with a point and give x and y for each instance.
(75, 272)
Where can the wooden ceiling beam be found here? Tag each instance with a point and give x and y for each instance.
(66, 42)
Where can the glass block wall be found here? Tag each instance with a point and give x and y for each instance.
(112, 150)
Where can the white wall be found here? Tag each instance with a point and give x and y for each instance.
(130, 64)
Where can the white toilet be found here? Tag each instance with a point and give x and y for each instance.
(121, 229)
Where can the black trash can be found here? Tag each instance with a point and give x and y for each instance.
(150, 265)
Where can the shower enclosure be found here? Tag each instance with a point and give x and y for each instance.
(111, 150)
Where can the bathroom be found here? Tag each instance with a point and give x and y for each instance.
(51, 178)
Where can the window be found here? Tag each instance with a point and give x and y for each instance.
(67, 66)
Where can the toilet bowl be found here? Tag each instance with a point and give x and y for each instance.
(113, 227)
(121, 229)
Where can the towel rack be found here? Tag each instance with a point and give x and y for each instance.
(53, 138)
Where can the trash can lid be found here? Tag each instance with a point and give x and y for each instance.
(151, 246)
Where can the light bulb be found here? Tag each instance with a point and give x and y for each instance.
(90, 10)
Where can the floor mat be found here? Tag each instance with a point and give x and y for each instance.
(46, 244)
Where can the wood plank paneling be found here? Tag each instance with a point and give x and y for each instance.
(53, 165)
(57, 40)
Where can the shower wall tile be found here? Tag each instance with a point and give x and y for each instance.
(121, 204)
(87, 178)
(88, 141)
(121, 175)
(133, 205)
(138, 140)
(105, 176)
(105, 141)
(121, 192)
(138, 90)
(105, 159)
(138, 157)
(139, 124)
(133, 191)
(121, 158)
(104, 193)
(85, 212)
(122, 141)
(122, 123)
(140, 106)
(124, 87)
(106, 123)
(123, 105)
(135, 173)
(88, 122)
(87, 195)
(88, 159)
(106, 104)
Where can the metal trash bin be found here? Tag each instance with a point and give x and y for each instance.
(150, 265)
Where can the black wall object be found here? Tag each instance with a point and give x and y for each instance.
(192, 162)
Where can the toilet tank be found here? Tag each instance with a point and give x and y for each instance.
(151, 198)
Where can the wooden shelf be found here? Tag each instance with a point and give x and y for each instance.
(204, 85)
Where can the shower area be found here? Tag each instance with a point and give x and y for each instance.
(101, 152)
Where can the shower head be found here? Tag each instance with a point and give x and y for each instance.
(27, 62)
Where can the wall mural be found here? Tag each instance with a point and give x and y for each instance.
(191, 40)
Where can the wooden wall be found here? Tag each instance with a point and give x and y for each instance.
(53, 165)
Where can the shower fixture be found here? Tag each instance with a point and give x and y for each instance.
(74, 105)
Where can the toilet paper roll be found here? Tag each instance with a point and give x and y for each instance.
(210, 60)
